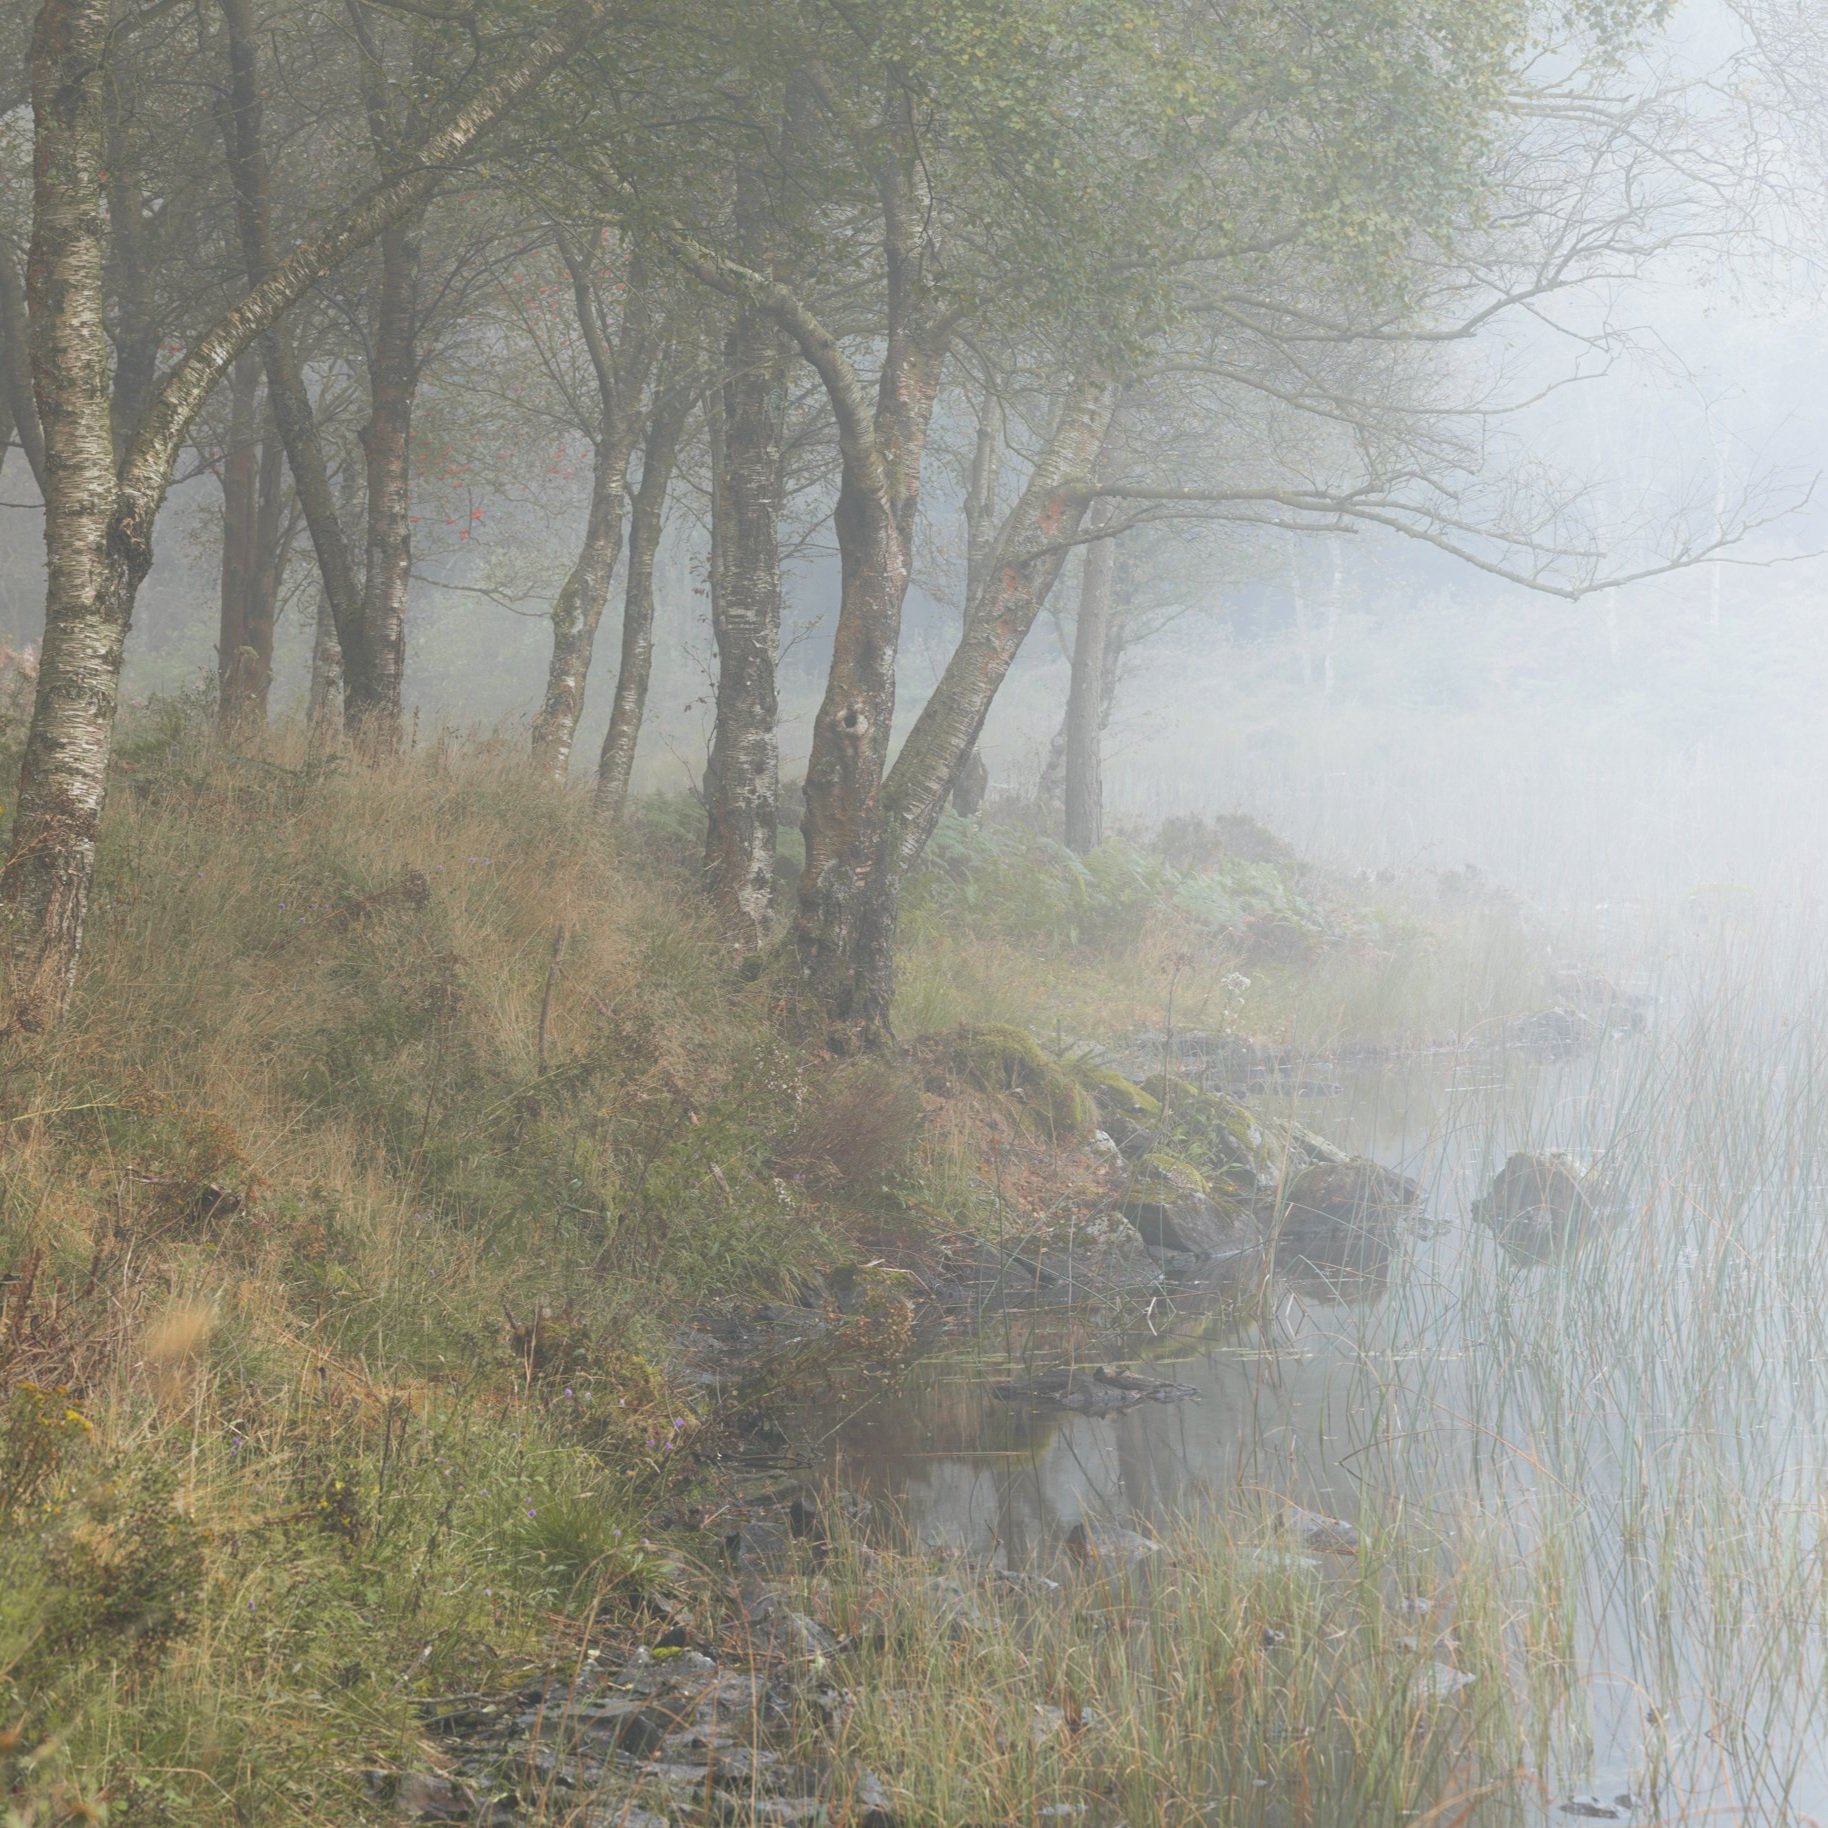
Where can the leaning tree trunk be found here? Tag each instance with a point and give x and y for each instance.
(16, 365)
(578, 609)
(1085, 702)
(1030, 553)
(621, 375)
(616, 764)
(99, 512)
(743, 782)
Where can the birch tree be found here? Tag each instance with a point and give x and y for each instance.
(107, 471)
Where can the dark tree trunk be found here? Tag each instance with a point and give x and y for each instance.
(240, 510)
(972, 785)
(742, 783)
(271, 540)
(647, 519)
(1085, 703)
(373, 699)
(293, 413)
(253, 556)
(16, 365)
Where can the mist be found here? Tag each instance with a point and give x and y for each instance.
(912, 914)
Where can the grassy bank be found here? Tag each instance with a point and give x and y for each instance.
(346, 1226)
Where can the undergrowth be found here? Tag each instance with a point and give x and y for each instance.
(400, 1121)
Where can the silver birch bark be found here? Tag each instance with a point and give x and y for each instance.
(99, 511)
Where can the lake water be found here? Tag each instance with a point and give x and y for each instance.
(1632, 1430)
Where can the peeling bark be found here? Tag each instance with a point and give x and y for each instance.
(96, 553)
(99, 509)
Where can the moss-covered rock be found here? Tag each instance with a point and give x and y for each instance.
(1130, 1116)
(1172, 1206)
(1010, 1062)
(1222, 1137)
(1168, 1175)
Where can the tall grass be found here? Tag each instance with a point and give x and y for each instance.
(1605, 1474)
(339, 1228)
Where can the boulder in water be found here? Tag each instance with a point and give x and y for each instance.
(1337, 1213)
(1541, 1202)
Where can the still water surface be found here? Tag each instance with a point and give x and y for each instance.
(1632, 1416)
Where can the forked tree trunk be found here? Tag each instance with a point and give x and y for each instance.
(878, 503)
(743, 780)
(621, 375)
(647, 519)
(881, 445)
(99, 511)
(1029, 554)
(1085, 702)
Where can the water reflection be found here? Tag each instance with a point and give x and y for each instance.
(1430, 1378)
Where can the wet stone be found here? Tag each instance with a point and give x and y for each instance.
(1441, 1681)
(1321, 1535)
(781, 1631)
(1088, 1543)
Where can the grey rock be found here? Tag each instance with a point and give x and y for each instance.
(1090, 1543)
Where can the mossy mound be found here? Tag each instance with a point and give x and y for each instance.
(1010, 1063)
(1171, 1205)
(1160, 1174)
(1127, 1114)
(1223, 1137)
